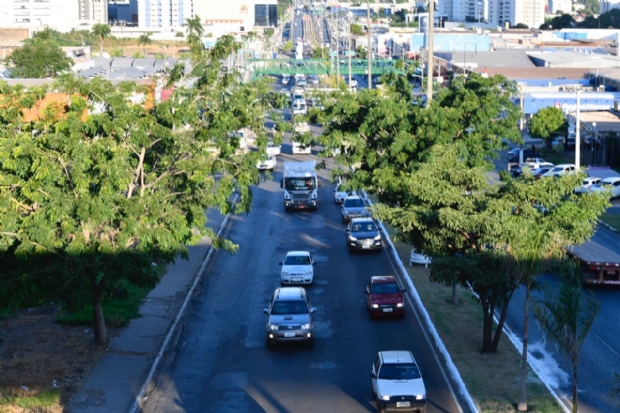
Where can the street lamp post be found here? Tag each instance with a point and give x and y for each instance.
(349, 51)
(369, 52)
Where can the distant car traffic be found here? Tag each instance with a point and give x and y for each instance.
(385, 297)
(269, 162)
(297, 268)
(290, 317)
(340, 195)
(273, 149)
(362, 234)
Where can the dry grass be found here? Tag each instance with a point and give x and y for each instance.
(43, 363)
(493, 380)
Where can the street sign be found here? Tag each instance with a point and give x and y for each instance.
(333, 54)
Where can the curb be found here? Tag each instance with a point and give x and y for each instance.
(606, 225)
(172, 331)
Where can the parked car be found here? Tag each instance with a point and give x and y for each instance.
(560, 170)
(519, 170)
(290, 317)
(314, 79)
(416, 257)
(301, 82)
(513, 154)
(273, 149)
(587, 184)
(570, 141)
(396, 373)
(340, 195)
(286, 79)
(267, 162)
(612, 184)
(385, 297)
(297, 268)
(363, 234)
(538, 173)
(301, 127)
(299, 108)
(352, 207)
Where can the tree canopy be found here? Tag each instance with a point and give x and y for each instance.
(38, 58)
(545, 122)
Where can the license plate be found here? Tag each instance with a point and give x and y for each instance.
(402, 404)
(387, 310)
(296, 280)
(289, 334)
(365, 246)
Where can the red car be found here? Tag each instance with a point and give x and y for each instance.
(385, 297)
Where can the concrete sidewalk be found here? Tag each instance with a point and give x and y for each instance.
(117, 380)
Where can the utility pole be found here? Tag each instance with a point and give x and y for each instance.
(349, 50)
(369, 45)
(431, 24)
(521, 121)
(577, 137)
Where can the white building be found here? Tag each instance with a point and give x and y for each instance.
(227, 16)
(93, 11)
(528, 12)
(464, 10)
(565, 6)
(607, 5)
(61, 15)
(164, 13)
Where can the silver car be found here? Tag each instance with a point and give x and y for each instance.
(290, 317)
(353, 207)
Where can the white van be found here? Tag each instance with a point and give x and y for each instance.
(299, 108)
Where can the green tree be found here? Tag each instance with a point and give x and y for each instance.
(106, 192)
(193, 35)
(144, 40)
(356, 30)
(102, 31)
(287, 47)
(178, 36)
(566, 316)
(546, 123)
(38, 59)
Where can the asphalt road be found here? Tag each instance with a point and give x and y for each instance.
(220, 363)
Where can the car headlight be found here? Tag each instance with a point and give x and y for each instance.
(399, 305)
(287, 196)
(274, 327)
(352, 238)
(378, 237)
(345, 213)
(375, 306)
(284, 274)
(305, 326)
(384, 397)
(420, 397)
(308, 274)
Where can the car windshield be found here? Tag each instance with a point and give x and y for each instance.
(354, 203)
(297, 260)
(289, 307)
(391, 288)
(298, 184)
(404, 371)
(368, 226)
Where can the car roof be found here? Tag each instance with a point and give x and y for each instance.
(383, 279)
(565, 165)
(591, 178)
(354, 197)
(610, 179)
(397, 356)
(297, 253)
(290, 293)
(362, 219)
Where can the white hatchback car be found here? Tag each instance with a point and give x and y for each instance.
(273, 149)
(560, 170)
(612, 184)
(297, 268)
(396, 373)
(268, 163)
(588, 184)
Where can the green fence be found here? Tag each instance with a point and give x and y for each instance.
(324, 67)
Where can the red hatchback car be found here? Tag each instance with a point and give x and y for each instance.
(385, 297)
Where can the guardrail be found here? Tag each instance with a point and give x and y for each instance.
(322, 67)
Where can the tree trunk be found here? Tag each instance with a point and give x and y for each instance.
(455, 298)
(101, 47)
(575, 401)
(500, 324)
(487, 326)
(99, 327)
(522, 406)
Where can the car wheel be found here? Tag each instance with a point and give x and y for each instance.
(370, 315)
(310, 343)
(380, 409)
(270, 345)
(344, 221)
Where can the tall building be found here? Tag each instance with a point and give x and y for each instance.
(61, 15)
(607, 5)
(528, 12)
(464, 10)
(164, 13)
(95, 11)
(565, 6)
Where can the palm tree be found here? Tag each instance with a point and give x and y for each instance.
(102, 31)
(566, 317)
(194, 32)
(144, 40)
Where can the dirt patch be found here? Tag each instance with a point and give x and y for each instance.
(37, 355)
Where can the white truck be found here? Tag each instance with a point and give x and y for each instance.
(300, 183)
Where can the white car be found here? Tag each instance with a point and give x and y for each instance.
(269, 162)
(297, 268)
(286, 80)
(612, 184)
(302, 127)
(417, 258)
(299, 108)
(535, 163)
(559, 170)
(340, 195)
(273, 149)
(396, 373)
(588, 184)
